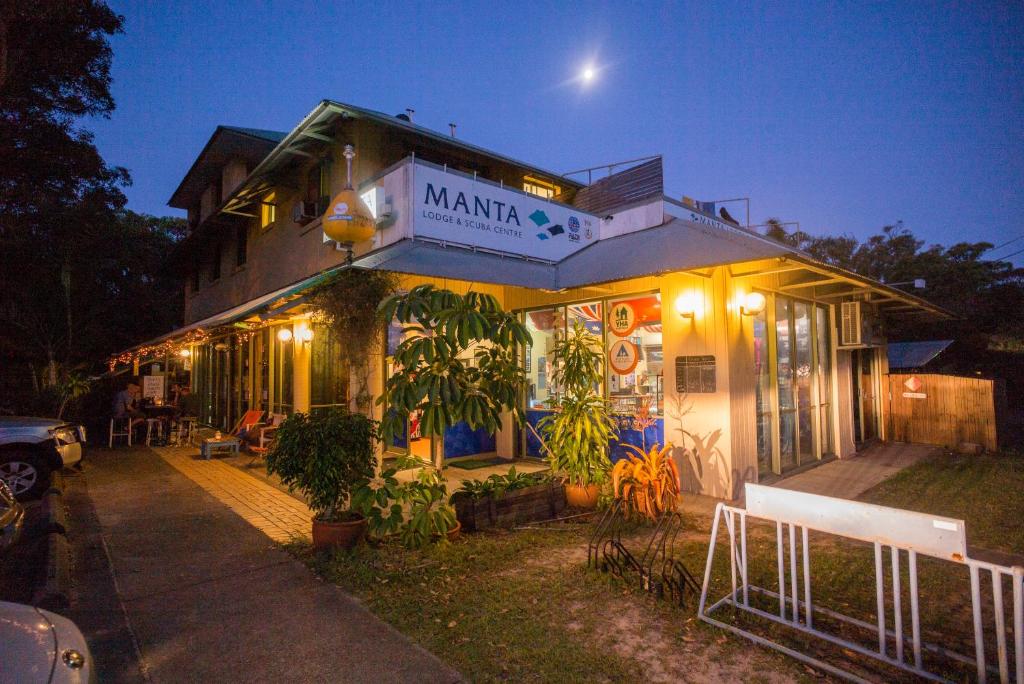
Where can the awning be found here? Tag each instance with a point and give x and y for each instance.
(281, 299)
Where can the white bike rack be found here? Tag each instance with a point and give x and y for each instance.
(904, 532)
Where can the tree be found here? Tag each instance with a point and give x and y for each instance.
(456, 363)
(81, 276)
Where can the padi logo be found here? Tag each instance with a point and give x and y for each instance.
(574, 228)
(339, 212)
(552, 230)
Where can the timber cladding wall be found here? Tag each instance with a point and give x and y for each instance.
(945, 410)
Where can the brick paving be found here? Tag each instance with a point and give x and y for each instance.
(278, 515)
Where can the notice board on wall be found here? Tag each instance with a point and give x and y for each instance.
(695, 374)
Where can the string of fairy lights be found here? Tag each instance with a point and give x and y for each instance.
(166, 348)
(180, 346)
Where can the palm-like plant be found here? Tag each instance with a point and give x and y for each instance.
(577, 434)
(647, 482)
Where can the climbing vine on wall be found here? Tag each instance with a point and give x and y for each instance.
(347, 306)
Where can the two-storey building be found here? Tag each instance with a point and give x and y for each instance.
(756, 357)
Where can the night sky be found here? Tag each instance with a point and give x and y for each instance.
(843, 117)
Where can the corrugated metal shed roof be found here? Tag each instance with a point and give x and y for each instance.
(914, 354)
(677, 245)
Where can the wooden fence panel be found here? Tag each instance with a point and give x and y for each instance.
(944, 410)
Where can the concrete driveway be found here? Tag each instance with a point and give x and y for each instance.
(201, 595)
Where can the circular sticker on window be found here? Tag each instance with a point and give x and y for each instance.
(623, 357)
(622, 319)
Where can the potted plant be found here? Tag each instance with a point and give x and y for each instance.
(577, 434)
(324, 457)
(647, 482)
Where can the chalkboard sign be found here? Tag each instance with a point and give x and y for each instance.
(695, 374)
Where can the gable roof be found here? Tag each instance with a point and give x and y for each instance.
(226, 143)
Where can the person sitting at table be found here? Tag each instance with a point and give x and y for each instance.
(125, 406)
(187, 403)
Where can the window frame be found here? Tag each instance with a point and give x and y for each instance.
(268, 211)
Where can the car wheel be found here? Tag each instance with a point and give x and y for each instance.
(23, 473)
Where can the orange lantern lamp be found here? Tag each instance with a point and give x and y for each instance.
(347, 219)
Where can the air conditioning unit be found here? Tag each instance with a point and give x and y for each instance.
(851, 330)
(304, 212)
(858, 326)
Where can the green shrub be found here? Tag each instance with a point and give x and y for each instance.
(324, 457)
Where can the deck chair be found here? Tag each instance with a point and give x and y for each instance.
(266, 433)
(245, 426)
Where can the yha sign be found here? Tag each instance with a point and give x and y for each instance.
(475, 213)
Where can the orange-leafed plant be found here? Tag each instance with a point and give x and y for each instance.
(647, 482)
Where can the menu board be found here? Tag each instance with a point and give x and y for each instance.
(153, 386)
(695, 374)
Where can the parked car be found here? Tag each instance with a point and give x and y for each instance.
(12, 518)
(32, 448)
(39, 646)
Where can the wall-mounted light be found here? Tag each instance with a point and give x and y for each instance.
(305, 334)
(753, 304)
(284, 334)
(221, 347)
(688, 305)
(185, 353)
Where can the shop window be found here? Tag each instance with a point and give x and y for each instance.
(546, 326)
(635, 355)
(328, 370)
(282, 367)
(268, 211)
(540, 188)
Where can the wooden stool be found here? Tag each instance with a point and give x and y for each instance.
(150, 422)
(116, 431)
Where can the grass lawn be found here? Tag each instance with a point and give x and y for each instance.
(523, 606)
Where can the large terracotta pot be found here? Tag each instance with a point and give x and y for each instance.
(344, 534)
(582, 497)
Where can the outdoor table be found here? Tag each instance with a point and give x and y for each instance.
(208, 446)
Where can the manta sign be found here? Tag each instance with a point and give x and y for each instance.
(475, 213)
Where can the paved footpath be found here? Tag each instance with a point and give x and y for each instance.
(848, 478)
(280, 516)
(209, 597)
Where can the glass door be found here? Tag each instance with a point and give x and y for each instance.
(865, 416)
(792, 354)
(786, 373)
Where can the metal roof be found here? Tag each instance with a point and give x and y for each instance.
(226, 143)
(914, 354)
(677, 245)
(272, 136)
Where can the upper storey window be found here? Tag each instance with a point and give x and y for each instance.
(268, 211)
(540, 188)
